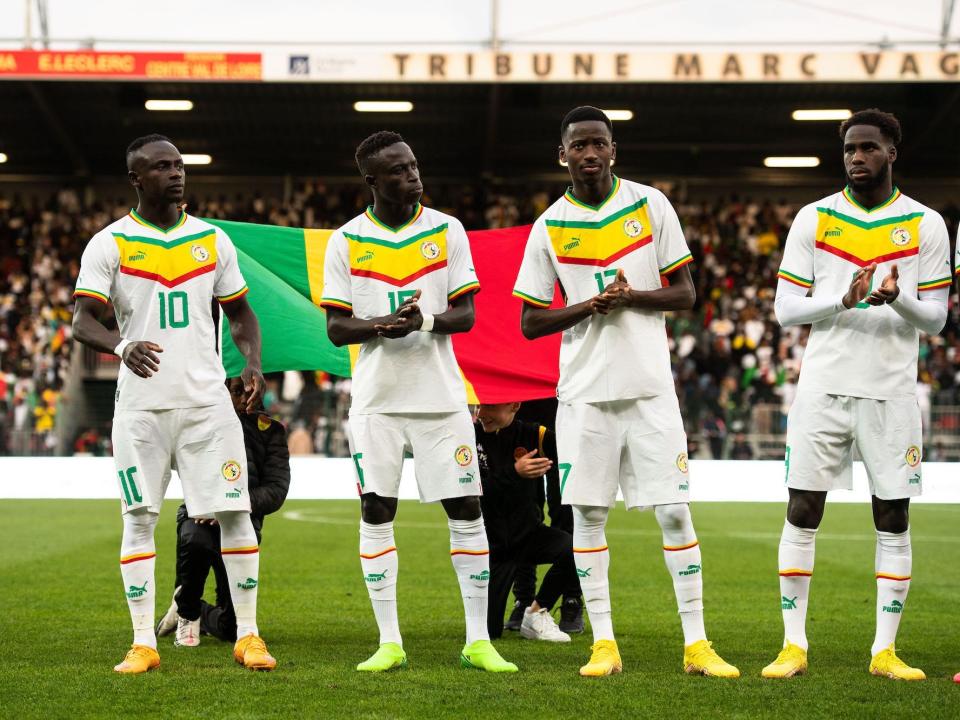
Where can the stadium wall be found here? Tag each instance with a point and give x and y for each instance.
(317, 478)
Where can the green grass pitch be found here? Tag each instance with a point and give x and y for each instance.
(64, 624)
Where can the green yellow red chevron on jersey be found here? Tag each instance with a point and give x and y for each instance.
(401, 262)
(604, 241)
(167, 262)
(862, 242)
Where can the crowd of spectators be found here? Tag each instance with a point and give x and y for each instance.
(736, 369)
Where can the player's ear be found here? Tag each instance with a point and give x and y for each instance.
(613, 150)
(133, 178)
(892, 153)
(370, 180)
(562, 155)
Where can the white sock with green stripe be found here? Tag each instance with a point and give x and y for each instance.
(894, 561)
(241, 558)
(592, 557)
(379, 563)
(138, 557)
(797, 547)
(470, 555)
(681, 552)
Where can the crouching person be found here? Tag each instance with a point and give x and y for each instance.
(513, 457)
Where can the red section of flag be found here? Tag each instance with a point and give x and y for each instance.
(502, 365)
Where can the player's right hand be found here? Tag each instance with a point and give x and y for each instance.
(859, 286)
(141, 357)
(530, 467)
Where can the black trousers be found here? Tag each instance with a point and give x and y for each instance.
(545, 545)
(198, 552)
(525, 583)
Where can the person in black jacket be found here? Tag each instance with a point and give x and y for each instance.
(513, 457)
(198, 541)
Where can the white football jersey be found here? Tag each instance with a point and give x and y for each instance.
(162, 284)
(369, 270)
(867, 351)
(625, 354)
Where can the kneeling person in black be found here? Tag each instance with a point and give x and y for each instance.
(513, 457)
(198, 541)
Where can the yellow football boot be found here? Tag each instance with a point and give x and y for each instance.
(701, 659)
(139, 659)
(251, 652)
(604, 660)
(886, 664)
(791, 661)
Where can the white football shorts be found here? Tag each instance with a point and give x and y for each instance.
(821, 432)
(637, 445)
(443, 446)
(205, 446)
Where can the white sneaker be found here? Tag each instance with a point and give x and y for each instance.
(168, 623)
(188, 632)
(540, 625)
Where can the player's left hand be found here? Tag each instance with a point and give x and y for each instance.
(407, 319)
(888, 290)
(253, 387)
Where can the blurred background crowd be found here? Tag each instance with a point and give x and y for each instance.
(735, 368)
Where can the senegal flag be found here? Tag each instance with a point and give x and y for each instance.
(283, 268)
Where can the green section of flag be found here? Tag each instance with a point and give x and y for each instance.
(293, 330)
(280, 249)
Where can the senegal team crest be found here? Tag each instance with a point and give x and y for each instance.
(900, 236)
(463, 455)
(429, 249)
(200, 253)
(632, 227)
(230, 470)
(913, 456)
(682, 463)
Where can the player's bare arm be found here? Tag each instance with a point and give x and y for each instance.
(679, 295)
(537, 322)
(140, 355)
(245, 331)
(345, 329)
(859, 286)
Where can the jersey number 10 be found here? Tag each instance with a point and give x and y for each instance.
(174, 310)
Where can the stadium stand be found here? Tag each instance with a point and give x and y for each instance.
(735, 367)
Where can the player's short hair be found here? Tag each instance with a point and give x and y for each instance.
(374, 144)
(583, 113)
(145, 140)
(886, 122)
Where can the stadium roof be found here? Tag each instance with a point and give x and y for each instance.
(774, 23)
(706, 132)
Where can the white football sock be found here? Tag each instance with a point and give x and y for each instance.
(379, 563)
(592, 557)
(681, 552)
(796, 568)
(893, 564)
(470, 555)
(241, 558)
(138, 557)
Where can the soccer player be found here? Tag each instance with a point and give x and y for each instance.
(399, 280)
(858, 379)
(610, 242)
(162, 269)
